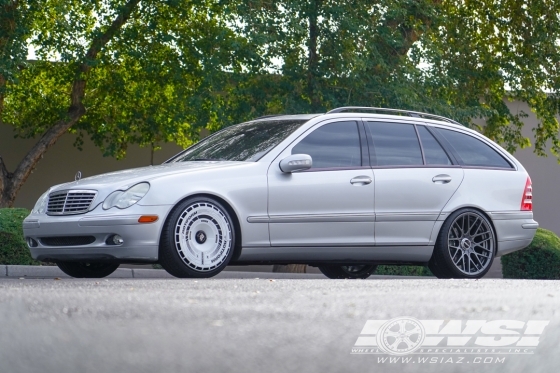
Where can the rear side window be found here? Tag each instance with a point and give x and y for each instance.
(394, 144)
(333, 145)
(472, 151)
(433, 152)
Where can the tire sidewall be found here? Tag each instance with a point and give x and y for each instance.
(443, 244)
(170, 258)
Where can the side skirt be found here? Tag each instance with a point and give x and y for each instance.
(346, 255)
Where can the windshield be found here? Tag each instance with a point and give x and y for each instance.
(241, 142)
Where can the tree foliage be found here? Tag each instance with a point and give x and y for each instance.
(486, 51)
(152, 71)
(119, 72)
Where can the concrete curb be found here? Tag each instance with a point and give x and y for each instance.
(17, 271)
(41, 272)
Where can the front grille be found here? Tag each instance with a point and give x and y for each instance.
(70, 202)
(67, 240)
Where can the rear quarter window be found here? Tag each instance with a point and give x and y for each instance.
(473, 152)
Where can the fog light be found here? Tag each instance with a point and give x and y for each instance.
(117, 240)
(114, 239)
(31, 242)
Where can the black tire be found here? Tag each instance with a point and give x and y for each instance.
(191, 226)
(87, 270)
(465, 247)
(348, 272)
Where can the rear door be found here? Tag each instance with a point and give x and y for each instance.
(414, 179)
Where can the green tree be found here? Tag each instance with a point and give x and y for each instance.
(459, 59)
(320, 54)
(149, 71)
(486, 51)
(117, 71)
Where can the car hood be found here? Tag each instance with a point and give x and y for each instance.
(126, 178)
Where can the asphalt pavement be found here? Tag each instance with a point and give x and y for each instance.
(260, 325)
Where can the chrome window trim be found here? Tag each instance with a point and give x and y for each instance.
(419, 166)
(448, 126)
(372, 149)
(332, 169)
(506, 157)
(284, 149)
(451, 157)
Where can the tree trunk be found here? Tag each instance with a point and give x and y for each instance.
(313, 57)
(11, 182)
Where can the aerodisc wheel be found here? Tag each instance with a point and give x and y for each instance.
(465, 247)
(348, 272)
(198, 239)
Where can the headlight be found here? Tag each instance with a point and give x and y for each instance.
(125, 198)
(41, 205)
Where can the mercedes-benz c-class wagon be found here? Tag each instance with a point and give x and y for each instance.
(344, 191)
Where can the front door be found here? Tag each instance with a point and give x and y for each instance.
(332, 203)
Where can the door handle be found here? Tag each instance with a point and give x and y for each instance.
(441, 179)
(361, 180)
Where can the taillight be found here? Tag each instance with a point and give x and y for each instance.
(527, 200)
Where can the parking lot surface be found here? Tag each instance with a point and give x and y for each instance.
(255, 324)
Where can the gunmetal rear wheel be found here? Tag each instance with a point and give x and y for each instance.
(465, 247)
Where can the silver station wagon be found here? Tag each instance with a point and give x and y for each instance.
(343, 191)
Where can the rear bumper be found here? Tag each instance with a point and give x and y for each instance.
(141, 241)
(514, 234)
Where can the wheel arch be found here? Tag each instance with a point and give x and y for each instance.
(478, 209)
(231, 211)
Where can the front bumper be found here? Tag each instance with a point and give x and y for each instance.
(141, 240)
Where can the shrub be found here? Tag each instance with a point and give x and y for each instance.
(394, 270)
(13, 249)
(541, 260)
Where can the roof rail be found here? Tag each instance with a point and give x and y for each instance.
(269, 116)
(409, 113)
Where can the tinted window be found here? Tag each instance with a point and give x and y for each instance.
(473, 152)
(395, 144)
(241, 142)
(433, 152)
(332, 145)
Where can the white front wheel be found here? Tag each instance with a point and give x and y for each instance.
(198, 239)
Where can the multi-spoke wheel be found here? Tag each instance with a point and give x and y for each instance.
(197, 240)
(87, 270)
(465, 247)
(350, 271)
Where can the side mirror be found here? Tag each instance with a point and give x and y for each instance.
(296, 162)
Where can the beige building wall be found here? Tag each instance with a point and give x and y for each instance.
(545, 175)
(62, 161)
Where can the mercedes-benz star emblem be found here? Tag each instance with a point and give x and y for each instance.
(78, 176)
